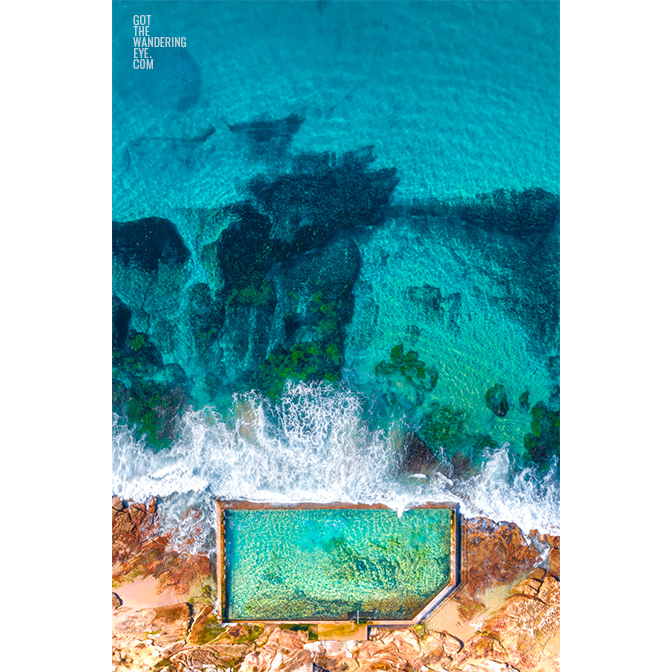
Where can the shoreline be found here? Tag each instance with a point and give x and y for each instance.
(504, 614)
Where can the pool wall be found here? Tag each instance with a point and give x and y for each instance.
(455, 565)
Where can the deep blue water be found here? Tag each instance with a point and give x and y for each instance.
(336, 254)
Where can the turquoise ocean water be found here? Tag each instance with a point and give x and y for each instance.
(336, 256)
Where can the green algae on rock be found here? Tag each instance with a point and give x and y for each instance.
(543, 443)
(497, 401)
(410, 367)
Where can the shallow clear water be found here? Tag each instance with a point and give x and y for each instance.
(461, 96)
(328, 564)
(258, 325)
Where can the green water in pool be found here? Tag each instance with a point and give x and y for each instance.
(333, 564)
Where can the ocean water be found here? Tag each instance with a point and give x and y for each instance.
(329, 564)
(336, 257)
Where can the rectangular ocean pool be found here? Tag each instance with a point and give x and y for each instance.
(334, 562)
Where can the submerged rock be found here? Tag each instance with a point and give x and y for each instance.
(410, 368)
(322, 195)
(314, 305)
(428, 298)
(497, 401)
(543, 441)
(444, 427)
(146, 242)
(529, 214)
(151, 408)
(121, 317)
(418, 458)
(524, 400)
(268, 137)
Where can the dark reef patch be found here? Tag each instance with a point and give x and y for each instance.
(145, 242)
(151, 408)
(268, 137)
(428, 298)
(409, 366)
(322, 195)
(543, 442)
(121, 317)
(316, 304)
(497, 401)
(245, 250)
(529, 214)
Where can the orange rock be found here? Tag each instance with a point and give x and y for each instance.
(549, 592)
(527, 587)
(525, 629)
(138, 551)
(554, 561)
(481, 646)
(495, 553)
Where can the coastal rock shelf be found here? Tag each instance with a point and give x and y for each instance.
(504, 615)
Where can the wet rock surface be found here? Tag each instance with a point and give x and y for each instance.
(521, 633)
(140, 550)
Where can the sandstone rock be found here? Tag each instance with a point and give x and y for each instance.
(199, 625)
(138, 551)
(213, 655)
(451, 645)
(172, 623)
(195, 659)
(488, 666)
(481, 646)
(554, 562)
(468, 607)
(438, 649)
(116, 601)
(549, 593)
(527, 587)
(537, 574)
(139, 642)
(282, 651)
(377, 655)
(252, 662)
(405, 642)
(432, 651)
(524, 628)
(495, 553)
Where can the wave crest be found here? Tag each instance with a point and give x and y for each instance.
(314, 445)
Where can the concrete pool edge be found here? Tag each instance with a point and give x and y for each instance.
(455, 565)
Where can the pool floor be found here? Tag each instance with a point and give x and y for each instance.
(335, 564)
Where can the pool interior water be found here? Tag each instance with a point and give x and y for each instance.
(335, 564)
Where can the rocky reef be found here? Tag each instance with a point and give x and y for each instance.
(503, 616)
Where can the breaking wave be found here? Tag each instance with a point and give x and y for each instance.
(317, 444)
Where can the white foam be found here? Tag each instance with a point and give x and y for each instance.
(315, 445)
